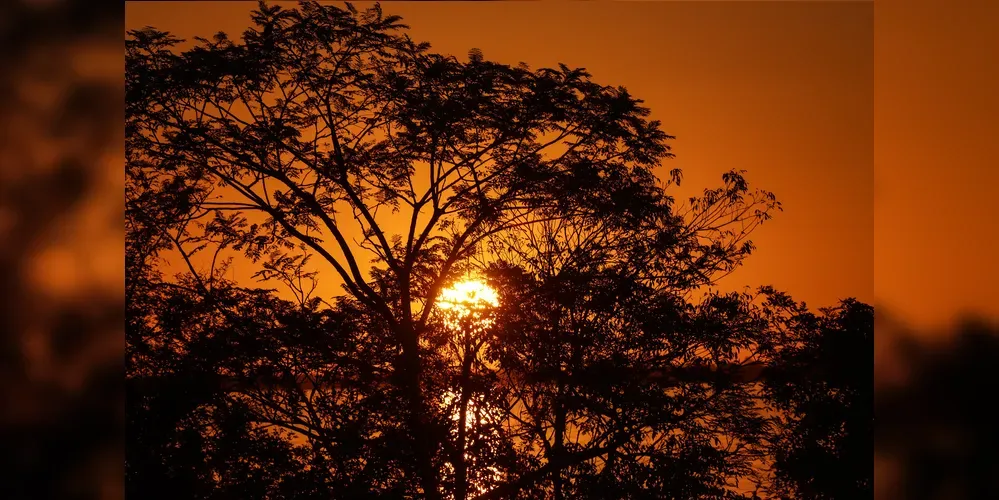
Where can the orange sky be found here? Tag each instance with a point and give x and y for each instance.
(783, 90)
(936, 170)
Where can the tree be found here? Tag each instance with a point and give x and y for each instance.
(322, 123)
(822, 382)
(595, 326)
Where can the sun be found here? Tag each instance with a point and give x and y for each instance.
(466, 298)
(465, 307)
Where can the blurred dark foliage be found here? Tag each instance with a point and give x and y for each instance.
(61, 399)
(937, 427)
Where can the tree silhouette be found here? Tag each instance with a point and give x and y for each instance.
(822, 379)
(326, 133)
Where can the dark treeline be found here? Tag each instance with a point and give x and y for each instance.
(936, 433)
(325, 140)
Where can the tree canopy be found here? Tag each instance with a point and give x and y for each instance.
(326, 143)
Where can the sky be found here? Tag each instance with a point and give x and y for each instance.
(935, 163)
(784, 90)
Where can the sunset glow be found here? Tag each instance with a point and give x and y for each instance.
(479, 416)
(465, 306)
(470, 298)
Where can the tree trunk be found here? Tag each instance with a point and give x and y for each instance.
(423, 441)
(460, 465)
(559, 446)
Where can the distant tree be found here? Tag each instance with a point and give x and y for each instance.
(324, 122)
(821, 382)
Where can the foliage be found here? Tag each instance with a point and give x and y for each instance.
(325, 142)
(823, 381)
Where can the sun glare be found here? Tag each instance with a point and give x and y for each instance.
(467, 298)
(465, 306)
